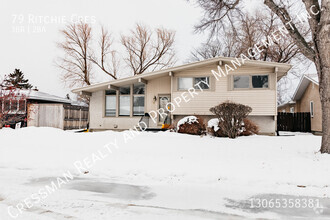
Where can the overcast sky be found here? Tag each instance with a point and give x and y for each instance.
(34, 53)
(28, 41)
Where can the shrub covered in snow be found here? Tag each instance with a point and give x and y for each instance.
(213, 128)
(230, 116)
(248, 128)
(191, 125)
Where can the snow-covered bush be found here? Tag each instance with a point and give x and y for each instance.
(191, 125)
(248, 128)
(230, 116)
(213, 128)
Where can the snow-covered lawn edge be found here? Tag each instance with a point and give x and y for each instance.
(222, 167)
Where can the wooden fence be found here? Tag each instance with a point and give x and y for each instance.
(63, 116)
(75, 117)
(300, 121)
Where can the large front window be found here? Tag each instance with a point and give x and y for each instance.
(110, 103)
(125, 101)
(129, 100)
(138, 99)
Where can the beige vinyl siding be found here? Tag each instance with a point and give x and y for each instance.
(312, 94)
(262, 101)
(155, 87)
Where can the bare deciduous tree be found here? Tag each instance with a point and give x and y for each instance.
(148, 50)
(251, 30)
(228, 46)
(105, 44)
(315, 48)
(75, 64)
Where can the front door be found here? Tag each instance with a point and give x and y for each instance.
(163, 101)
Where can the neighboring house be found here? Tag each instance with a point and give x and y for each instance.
(120, 104)
(307, 99)
(287, 107)
(45, 110)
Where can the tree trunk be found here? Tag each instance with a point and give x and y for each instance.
(324, 85)
(325, 102)
(323, 68)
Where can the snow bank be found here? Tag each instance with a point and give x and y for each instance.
(159, 156)
(190, 166)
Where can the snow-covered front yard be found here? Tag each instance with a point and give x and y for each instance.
(123, 175)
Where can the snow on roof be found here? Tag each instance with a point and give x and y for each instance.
(286, 103)
(79, 103)
(37, 95)
(314, 77)
(43, 96)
